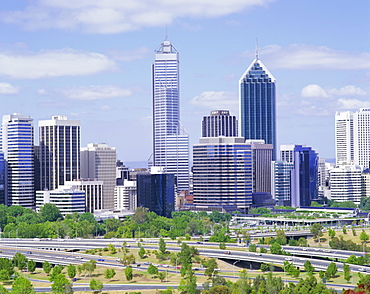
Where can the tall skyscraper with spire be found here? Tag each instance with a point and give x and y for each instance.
(257, 104)
(170, 141)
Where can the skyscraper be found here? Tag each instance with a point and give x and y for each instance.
(304, 175)
(222, 172)
(98, 161)
(344, 142)
(59, 151)
(361, 136)
(257, 104)
(170, 141)
(219, 123)
(17, 146)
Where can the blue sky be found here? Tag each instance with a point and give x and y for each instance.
(91, 60)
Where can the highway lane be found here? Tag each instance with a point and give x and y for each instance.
(218, 253)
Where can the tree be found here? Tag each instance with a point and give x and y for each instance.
(3, 290)
(22, 285)
(56, 271)
(152, 270)
(162, 246)
(110, 273)
(141, 252)
(331, 233)
(264, 267)
(281, 237)
(331, 271)
(308, 267)
(4, 275)
(20, 261)
(347, 272)
(112, 248)
(211, 266)
(71, 271)
(275, 248)
(46, 266)
(96, 285)
(31, 265)
(253, 248)
(364, 237)
(222, 245)
(128, 259)
(161, 276)
(219, 290)
(61, 284)
(89, 266)
(49, 212)
(344, 230)
(316, 230)
(141, 215)
(128, 273)
(189, 283)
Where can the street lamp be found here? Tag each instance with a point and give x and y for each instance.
(234, 267)
(176, 264)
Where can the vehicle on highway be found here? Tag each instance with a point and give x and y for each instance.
(165, 265)
(29, 252)
(147, 263)
(100, 259)
(195, 268)
(198, 242)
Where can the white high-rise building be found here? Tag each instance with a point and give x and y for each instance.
(346, 183)
(59, 151)
(344, 143)
(170, 141)
(17, 146)
(362, 137)
(125, 196)
(98, 161)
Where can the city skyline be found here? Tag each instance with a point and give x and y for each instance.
(92, 63)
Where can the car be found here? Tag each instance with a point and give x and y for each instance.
(178, 267)
(147, 263)
(165, 265)
(29, 252)
(195, 268)
(304, 249)
(79, 257)
(74, 279)
(361, 269)
(198, 242)
(118, 259)
(259, 254)
(100, 259)
(326, 250)
(288, 258)
(228, 252)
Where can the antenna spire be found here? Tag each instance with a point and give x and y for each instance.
(166, 37)
(256, 48)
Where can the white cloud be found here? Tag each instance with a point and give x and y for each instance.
(216, 100)
(313, 91)
(95, 92)
(348, 91)
(116, 16)
(352, 104)
(302, 56)
(7, 89)
(53, 63)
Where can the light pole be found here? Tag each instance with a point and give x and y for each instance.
(16, 242)
(234, 267)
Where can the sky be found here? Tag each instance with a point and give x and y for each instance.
(91, 61)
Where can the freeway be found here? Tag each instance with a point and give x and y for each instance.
(53, 251)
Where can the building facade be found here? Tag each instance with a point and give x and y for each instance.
(157, 193)
(59, 151)
(219, 123)
(346, 183)
(304, 175)
(17, 146)
(280, 182)
(98, 161)
(222, 172)
(68, 200)
(93, 193)
(344, 141)
(170, 141)
(257, 100)
(362, 137)
(125, 196)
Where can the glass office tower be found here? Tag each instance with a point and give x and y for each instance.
(170, 141)
(257, 104)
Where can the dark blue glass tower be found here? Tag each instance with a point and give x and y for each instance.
(257, 104)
